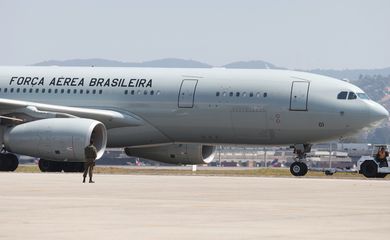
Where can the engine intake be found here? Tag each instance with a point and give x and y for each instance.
(59, 139)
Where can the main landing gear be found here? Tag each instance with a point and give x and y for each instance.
(53, 166)
(299, 167)
(8, 162)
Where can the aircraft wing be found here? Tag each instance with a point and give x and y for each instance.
(23, 111)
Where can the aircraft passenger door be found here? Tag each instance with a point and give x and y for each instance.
(299, 96)
(187, 93)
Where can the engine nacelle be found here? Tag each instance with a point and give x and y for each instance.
(59, 139)
(175, 153)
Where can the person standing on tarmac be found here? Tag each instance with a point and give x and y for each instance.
(90, 157)
(381, 157)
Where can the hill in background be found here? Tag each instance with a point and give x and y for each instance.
(97, 62)
(350, 74)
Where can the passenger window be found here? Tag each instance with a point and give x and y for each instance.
(81, 91)
(37, 90)
(24, 90)
(12, 90)
(224, 94)
(100, 91)
(68, 91)
(217, 94)
(18, 90)
(237, 94)
(55, 90)
(94, 91)
(145, 92)
(342, 95)
(244, 94)
(265, 94)
(30, 91)
(351, 96)
(251, 94)
(158, 93)
(5, 89)
(87, 91)
(258, 95)
(231, 94)
(126, 92)
(49, 90)
(43, 90)
(132, 92)
(62, 90)
(152, 92)
(74, 91)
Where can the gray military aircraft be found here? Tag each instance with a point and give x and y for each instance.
(171, 115)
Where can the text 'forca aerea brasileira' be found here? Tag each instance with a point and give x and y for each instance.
(80, 82)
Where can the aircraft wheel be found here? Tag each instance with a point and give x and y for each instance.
(298, 169)
(80, 167)
(56, 166)
(73, 167)
(13, 161)
(43, 165)
(49, 166)
(369, 169)
(381, 175)
(68, 167)
(8, 162)
(3, 163)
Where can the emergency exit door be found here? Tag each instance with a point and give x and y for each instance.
(299, 96)
(187, 93)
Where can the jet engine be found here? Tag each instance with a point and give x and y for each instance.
(59, 139)
(175, 153)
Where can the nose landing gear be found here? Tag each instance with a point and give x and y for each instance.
(299, 167)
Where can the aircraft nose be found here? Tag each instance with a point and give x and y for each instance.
(378, 113)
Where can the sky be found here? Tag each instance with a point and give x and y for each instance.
(297, 34)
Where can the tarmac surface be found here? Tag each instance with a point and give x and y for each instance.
(59, 206)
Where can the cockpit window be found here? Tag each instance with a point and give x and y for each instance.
(342, 95)
(363, 96)
(351, 96)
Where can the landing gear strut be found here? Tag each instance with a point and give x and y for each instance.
(299, 167)
(8, 162)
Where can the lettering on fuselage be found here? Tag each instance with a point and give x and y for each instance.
(80, 82)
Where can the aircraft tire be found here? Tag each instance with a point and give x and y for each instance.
(381, 175)
(8, 162)
(80, 167)
(13, 161)
(369, 169)
(49, 166)
(73, 167)
(298, 169)
(68, 167)
(2, 164)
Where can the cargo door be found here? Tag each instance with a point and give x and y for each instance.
(299, 96)
(187, 93)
